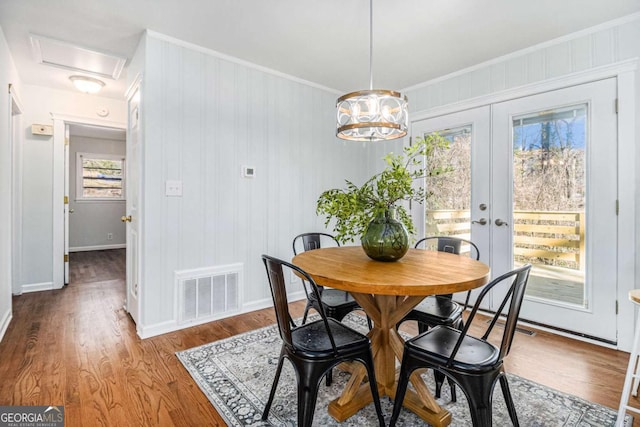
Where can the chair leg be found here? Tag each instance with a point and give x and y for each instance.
(422, 327)
(452, 387)
(306, 313)
(479, 391)
(374, 387)
(504, 384)
(439, 378)
(307, 393)
(274, 386)
(401, 389)
(329, 377)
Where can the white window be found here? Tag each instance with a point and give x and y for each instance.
(99, 177)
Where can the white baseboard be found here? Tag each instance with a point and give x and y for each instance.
(37, 287)
(97, 247)
(4, 324)
(172, 325)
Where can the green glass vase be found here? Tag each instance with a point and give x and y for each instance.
(386, 238)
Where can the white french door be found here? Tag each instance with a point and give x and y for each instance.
(554, 183)
(541, 189)
(460, 204)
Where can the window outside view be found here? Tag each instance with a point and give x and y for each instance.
(102, 178)
(548, 198)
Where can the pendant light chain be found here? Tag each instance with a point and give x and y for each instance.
(372, 115)
(370, 44)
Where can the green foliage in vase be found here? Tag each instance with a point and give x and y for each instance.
(353, 207)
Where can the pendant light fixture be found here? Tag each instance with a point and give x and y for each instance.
(372, 115)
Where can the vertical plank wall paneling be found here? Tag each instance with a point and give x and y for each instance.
(205, 117)
(602, 46)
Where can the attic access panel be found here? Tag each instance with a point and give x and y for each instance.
(57, 53)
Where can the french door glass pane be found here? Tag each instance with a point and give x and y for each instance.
(549, 190)
(448, 205)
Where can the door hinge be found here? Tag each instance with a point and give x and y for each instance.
(616, 306)
(617, 207)
(617, 106)
(66, 141)
(66, 200)
(66, 257)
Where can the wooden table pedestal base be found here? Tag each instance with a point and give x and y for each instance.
(387, 346)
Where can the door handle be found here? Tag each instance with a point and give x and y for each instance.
(125, 218)
(481, 221)
(71, 211)
(500, 222)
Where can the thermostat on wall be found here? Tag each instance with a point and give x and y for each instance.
(248, 171)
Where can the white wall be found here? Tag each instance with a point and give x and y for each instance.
(8, 75)
(92, 220)
(38, 154)
(578, 55)
(204, 117)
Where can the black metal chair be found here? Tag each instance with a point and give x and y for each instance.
(336, 303)
(313, 348)
(441, 309)
(473, 363)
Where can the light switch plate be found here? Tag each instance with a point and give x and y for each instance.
(173, 188)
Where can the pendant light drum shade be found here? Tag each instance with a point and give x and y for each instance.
(372, 115)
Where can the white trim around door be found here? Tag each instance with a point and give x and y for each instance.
(59, 168)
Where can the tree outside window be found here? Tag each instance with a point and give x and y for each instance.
(100, 177)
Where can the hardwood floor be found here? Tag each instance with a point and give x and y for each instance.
(78, 348)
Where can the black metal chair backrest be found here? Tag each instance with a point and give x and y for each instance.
(514, 295)
(276, 276)
(452, 245)
(449, 244)
(311, 241)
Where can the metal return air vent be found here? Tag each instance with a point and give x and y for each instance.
(208, 293)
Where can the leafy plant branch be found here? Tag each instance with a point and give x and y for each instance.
(353, 207)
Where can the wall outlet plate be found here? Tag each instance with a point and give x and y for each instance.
(173, 188)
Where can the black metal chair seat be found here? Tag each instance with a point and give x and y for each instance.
(436, 310)
(312, 340)
(473, 356)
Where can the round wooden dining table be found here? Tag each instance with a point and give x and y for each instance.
(387, 291)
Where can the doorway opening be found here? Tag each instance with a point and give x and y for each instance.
(96, 186)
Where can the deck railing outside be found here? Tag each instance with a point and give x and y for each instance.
(549, 238)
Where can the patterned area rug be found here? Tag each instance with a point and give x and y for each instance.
(236, 375)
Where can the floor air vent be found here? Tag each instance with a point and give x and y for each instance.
(208, 293)
(522, 330)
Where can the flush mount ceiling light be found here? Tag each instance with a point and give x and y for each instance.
(86, 84)
(372, 115)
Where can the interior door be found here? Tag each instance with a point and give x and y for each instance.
(554, 193)
(459, 205)
(132, 217)
(66, 204)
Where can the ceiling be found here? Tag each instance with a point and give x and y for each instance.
(324, 41)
